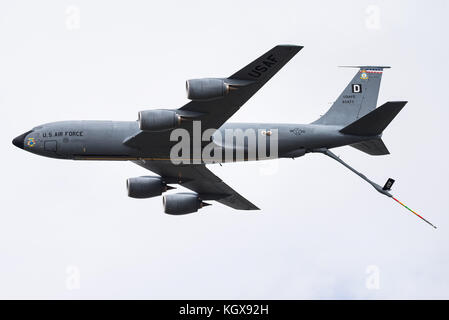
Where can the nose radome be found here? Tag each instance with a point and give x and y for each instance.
(19, 141)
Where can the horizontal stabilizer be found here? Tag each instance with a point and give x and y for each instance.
(368, 67)
(374, 123)
(374, 147)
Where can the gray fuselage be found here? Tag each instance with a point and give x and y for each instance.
(106, 140)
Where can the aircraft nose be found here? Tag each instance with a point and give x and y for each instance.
(19, 141)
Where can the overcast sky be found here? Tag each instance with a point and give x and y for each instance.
(68, 230)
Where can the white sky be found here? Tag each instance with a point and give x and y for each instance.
(68, 230)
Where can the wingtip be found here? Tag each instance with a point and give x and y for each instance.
(290, 46)
(251, 207)
(398, 103)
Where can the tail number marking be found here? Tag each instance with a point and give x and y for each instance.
(356, 88)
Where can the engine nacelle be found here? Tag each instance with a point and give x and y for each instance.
(206, 89)
(182, 203)
(158, 120)
(146, 187)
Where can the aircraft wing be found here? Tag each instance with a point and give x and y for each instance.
(199, 179)
(214, 113)
(257, 73)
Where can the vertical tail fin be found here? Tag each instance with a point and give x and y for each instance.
(357, 99)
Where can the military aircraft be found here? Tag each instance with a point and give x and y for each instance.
(352, 120)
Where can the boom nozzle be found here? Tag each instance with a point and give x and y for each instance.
(413, 212)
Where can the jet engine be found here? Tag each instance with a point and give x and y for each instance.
(146, 187)
(206, 89)
(182, 203)
(158, 120)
